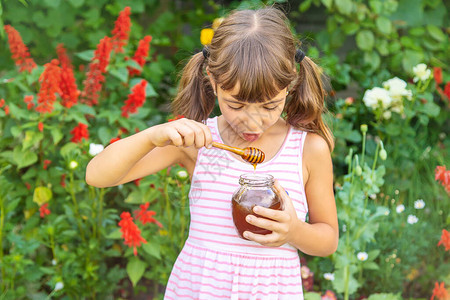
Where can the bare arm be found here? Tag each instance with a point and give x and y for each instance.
(320, 236)
(146, 152)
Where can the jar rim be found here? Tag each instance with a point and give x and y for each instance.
(256, 179)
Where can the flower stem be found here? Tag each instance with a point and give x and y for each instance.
(75, 205)
(2, 221)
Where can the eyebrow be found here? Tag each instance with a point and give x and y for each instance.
(241, 102)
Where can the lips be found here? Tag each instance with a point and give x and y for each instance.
(250, 137)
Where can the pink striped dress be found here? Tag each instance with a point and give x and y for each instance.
(215, 262)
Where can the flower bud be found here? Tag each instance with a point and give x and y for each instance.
(363, 128)
(73, 165)
(358, 170)
(383, 154)
(182, 175)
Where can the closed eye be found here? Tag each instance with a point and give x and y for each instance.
(236, 108)
(271, 108)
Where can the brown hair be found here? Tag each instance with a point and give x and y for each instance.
(255, 49)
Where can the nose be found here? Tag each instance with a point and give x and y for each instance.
(253, 120)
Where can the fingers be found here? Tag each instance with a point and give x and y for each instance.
(186, 133)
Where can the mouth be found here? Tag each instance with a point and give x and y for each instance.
(250, 137)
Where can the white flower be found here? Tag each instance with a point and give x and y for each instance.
(387, 115)
(387, 212)
(59, 286)
(182, 174)
(95, 149)
(362, 256)
(400, 208)
(73, 164)
(329, 276)
(344, 228)
(54, 262)
(397, 89)
(372, 98)
(419, 204)
(422, 72)
(412, 219)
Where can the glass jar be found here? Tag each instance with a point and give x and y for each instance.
(255, 189)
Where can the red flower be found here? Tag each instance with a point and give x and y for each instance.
(329, 295)
(19, 51)
(121, 30)
(146, 216)
(46, 163)
(68, 85)
(445, 240)
(63, 180)
(49, 80)
(113, 140)
(137, 182)
(130, 232)
(2, 102)
(80, 132)
(28, 186)
(440, 292)
(6, 109)
(447, 90)
(43, 210)
(141, 54)
(29, 101)
(135, 100)
(437, 74)
(176, 118)
(443, 176)
(41, 126)
(94, 77)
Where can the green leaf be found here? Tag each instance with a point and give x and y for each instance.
(76, 3)
(327, 3)
(372, 59)
(135, 269)
(350, 28)
(345, 7)
(436, 33)
(304, 6)
(41, 195)
(410, 59)
(105, 134)
(56, 134)
(120, 73)
(312, 296)
(32, 138)
(432, 109)
(385, 297)
(365, 40)
(135, 197)
(370, 266)
(115, 235)
(384, 25)
(68, 149)
(24, 158)
(86, 55)
(152, 249)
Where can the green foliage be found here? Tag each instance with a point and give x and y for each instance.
(392, 35)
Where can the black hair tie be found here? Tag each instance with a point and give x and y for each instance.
(205, 52)
(299, 56)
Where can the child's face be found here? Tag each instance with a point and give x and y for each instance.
(250, 120)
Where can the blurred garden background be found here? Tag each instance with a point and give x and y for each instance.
(77, 75)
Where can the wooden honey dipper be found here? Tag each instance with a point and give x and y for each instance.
(251, 154)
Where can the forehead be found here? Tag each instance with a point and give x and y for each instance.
(235, 91)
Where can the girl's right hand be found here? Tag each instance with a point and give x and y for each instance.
(181, 133)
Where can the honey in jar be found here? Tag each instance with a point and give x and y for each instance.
(255, 189)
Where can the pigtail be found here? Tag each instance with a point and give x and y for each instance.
(195, 98)
(306, 102)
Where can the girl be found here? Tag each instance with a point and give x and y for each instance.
(271, 97)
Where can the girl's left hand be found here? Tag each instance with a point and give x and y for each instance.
(282, 223)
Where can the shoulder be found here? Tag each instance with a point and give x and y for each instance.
(315, 151)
